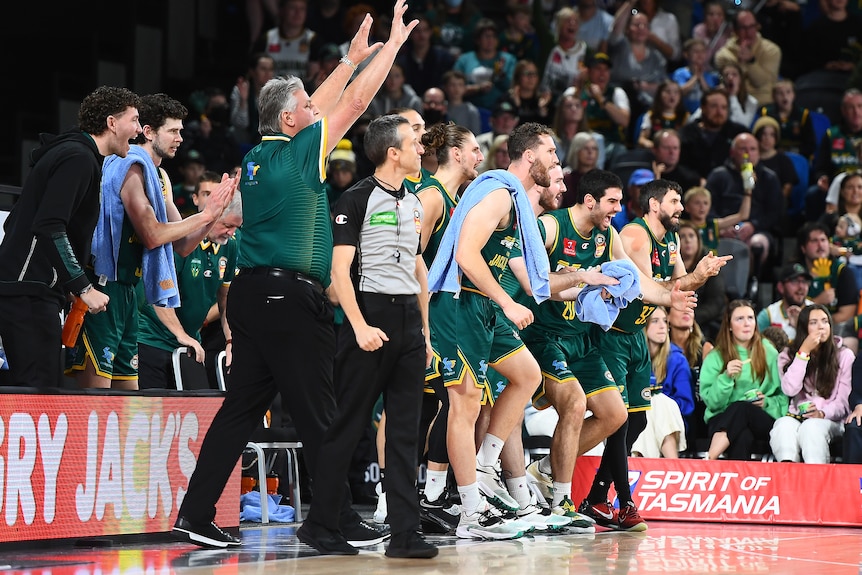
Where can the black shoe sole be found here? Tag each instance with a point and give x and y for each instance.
(412, 553)
(323, 550)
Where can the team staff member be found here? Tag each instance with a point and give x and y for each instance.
(48, 235)
(281, 321)
(203, 278)
(387, 344)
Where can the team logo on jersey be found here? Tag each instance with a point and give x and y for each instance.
(341, 219)
(222, 267)
(671, 247)
(134, 361)
(195, 267)
(646, 394)
(609, 376)
(600, 246)
(559, 365)
(417, 221)
(251, 169)
(570, 248)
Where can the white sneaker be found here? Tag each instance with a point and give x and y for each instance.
(380, 512)
(485, 524)
(492, 487)
(541, 480)
(542, 519)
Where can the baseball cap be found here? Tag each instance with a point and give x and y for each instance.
(192, 156)
(794, 270)
(640, 177)
(598, 58)
(504, 107)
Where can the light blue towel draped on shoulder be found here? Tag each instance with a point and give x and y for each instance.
(445, 273)
(159, 273)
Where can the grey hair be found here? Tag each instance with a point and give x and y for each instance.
(579, 140)
(234, 207)
(276, 96)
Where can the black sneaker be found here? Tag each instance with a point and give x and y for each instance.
(205, 535)
(326, 542)
(440, 515)
(365, 534)
(410, 546)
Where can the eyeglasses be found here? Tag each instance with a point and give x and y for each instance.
(435, 103)
(529, 73)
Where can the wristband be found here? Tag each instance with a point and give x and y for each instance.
(348, 61)
(85, 290)
(803, 356)
(228, 341)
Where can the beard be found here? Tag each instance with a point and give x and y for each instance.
(548, 201)
(668, 223)
(539, 174)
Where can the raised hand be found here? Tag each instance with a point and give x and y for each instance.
(711, 264)
(359, 49)
(399, 32)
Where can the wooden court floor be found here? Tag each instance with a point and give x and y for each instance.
(667, 547)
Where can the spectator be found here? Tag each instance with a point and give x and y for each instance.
(741, 366)
(831, 42)
(583, 157)
(259, 13)
(607, 107)
(743, 106)
(706, 142)
(340, 171)
(459, 111)
(212, 134)
(638, 67)
(203, 279)
(454, 24)
(435, 108)
(849, 210)
(757, 57)
(192, 165)
(833, 283)
(328, 58)
(664, 28)
(533, 103)
(244, 117)
(815, 374)
(595, 25)
(504, 118)
(666, 151)
(423, 62)
(394, 93)
(711, 296)
(853, 422)
(838, 152)
(489, 71)
(696, 78)
(794, 121)
(326, 18)
(568, 120)
(289, 43)
(518, 38)
(48, 235)
(667, 112)
(793, 283)
(777, 337)
(671, 394)
(714, 30)
(631, 206)
(768, 134)
(564, 66)
(498, 155)
(698, 209)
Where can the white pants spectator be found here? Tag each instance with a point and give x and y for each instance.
(663, 419)
(807, 440)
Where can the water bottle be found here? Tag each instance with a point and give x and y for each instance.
(747, 170)
(73, 323)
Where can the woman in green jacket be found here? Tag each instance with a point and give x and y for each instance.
(740, 385)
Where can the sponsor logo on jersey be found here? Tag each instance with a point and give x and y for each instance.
(671, 246)
(222, 267)
(341, 219)
(251, 169)
(417, 221)
(569, 247)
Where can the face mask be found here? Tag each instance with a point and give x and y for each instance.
(432, 116)
(219, 114)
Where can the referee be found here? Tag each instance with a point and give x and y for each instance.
(380, 279)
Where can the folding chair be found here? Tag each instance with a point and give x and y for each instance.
(272, 439)
(188, 373)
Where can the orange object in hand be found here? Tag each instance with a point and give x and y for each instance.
(73, 323)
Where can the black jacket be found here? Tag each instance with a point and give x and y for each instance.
(49, 230)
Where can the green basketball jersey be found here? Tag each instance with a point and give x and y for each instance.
(497, 250)
(200, 275)
(663, 255)
(413, 185)
(570, 249)
(449, 203)
(130, 257)
(284, 204)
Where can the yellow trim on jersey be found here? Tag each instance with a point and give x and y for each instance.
(323, 147)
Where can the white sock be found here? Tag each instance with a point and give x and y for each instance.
(561, 491)
(471, 499)
(545, 465)
(518, 489)
(489, 453)
(435, 483)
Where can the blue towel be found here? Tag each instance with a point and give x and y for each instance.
(445, 273)
(250, 508)
(159, 273)
(591, 307)
(4, 363)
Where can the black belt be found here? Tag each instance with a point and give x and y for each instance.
(282, 273)
(388, 298)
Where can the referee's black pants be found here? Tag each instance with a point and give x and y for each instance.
(397, 370)
(283, 341)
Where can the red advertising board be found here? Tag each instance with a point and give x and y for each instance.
(83, 466)
(737, 491)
